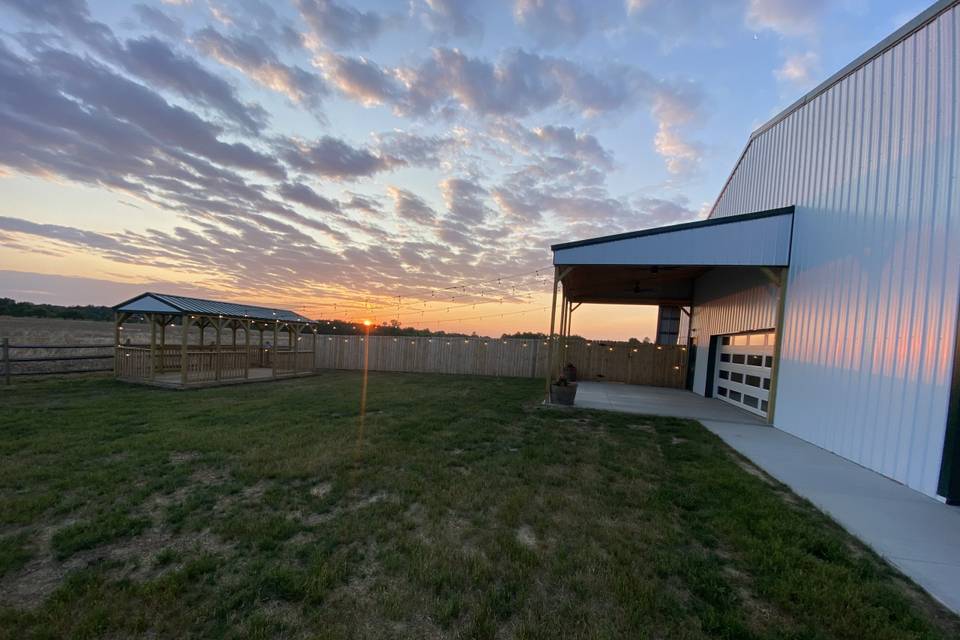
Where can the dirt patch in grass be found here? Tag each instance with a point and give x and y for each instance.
(321, 490)
(182, 457)
(527, 537)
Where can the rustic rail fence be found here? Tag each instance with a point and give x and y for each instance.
(648, 364)
(50, 359)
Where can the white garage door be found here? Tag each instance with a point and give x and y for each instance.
(744, 367)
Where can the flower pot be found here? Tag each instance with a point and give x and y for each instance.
(563, 393)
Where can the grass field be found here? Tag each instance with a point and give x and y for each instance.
(459, 509)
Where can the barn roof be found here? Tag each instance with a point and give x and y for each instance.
(179, 305)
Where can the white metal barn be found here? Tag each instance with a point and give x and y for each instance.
(823, 291)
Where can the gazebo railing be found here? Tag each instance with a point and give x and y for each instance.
(132, 362)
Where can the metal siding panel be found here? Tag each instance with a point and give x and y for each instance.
(871, 165)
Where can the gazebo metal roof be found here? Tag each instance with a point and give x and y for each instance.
(179, 305)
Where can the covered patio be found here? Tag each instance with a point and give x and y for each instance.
(683, 270)
(246, 343)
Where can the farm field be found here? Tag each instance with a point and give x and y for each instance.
(456, 507)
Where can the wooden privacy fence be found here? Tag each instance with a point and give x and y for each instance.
(469, 356)
(648, 364)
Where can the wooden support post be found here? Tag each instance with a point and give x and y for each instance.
(260, 356)
(291, 340)
(558, 275)
(153, 345)
(273, 353)
(550, 340)
(185, 323)
(313, 362)
(246, 348)
(117, 323)
(6, 360)
(216, 350)
(778, 341)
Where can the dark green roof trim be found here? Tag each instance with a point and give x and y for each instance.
(709, 222)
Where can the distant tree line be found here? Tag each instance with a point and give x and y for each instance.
(10, 307)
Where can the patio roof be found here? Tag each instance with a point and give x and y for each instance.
(658, 266)
(179, 305)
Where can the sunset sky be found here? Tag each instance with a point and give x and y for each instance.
(422, 153)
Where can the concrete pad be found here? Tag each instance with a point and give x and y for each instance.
(918, 535)
(657, 401)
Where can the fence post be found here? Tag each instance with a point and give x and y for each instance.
(6, 360)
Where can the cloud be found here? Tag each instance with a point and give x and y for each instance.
(331, 157)
(410, 207)
(253, 57)
(363, 202)
(554, 22)
(148, 58)
(787, 17)
(157, 20)
(413, 149)
(518, 84)
(674, 108)
(71, 17)
(452, 18)
(683, 22)
(342, 26)
(799, 69)
(154, 61)
(302, 194)
(361, 80)
(96, 85)
(655, 212)
(465, 200)
(567, 141)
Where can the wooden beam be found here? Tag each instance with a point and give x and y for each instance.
(185, 323)
(772, 276)
(778, 341)
(218, 325)
(246, 348)
(117, 323)
(153, 342)
(550, 340)
(273, 351)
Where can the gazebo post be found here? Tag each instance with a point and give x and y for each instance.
(163, 343)
(153, 344)
(273, 354)
(216, 350)
(260, 352)
(117, 323)
(185, 323)
(246, 347)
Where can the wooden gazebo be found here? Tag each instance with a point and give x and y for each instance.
(230, 355)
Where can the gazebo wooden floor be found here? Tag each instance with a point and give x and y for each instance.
(172, 380)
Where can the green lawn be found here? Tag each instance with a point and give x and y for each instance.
(459, 509)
